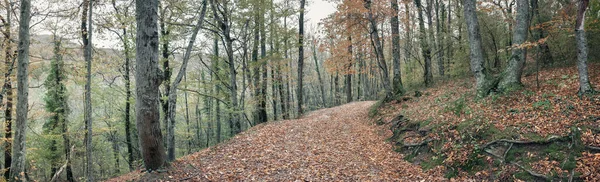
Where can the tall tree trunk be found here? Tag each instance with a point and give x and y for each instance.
(286, 112)
(348, 74)
(511, 78)
(126, 76)
(299, 90)
(187, 117)
(440, 37)
(216, 69)
(164, 33)
(321, 85)
(17, 167)
(425, 48)
(128, 100)
(263, 65)
(377, 42)
(8, 111)
(87, 54)
(543, 48)
(148, 79)
(172, 97)
(476, 51)
(582, 52)
(274, 50)
(397, 80)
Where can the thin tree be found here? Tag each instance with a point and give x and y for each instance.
(299, 91)
(173, 94)
(86, 35)
(397, 80)
(378, 46)
(17, 171)
(126, 75)
(148, 78)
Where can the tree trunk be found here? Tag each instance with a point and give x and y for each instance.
(126, 76)
(87, 54)
(440, 37)
(148, 78)
(263, 65)
(8, 111)
(348, 74)
(511, 79)
(164, 33)
(321, 85)
(286, 104)
(397, 81)
(17, 166)
(543, 48)
(425, 49)
(128, 100)
(476, 52)
(299, 91)
(172, 100)
(377, 42)
(582, 53)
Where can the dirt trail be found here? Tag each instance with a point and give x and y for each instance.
(334, 144)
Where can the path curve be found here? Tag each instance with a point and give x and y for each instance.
(334, 144)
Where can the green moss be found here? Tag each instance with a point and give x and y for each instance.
(515, 153)
(524, 176)
(433, 162)
(458, 107)
(555, 152)
(542, 105)
(374, 110)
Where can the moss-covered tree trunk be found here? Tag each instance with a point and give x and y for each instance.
(511, 78)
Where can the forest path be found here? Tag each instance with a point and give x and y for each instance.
(333, 144)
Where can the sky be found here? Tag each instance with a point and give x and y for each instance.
(317, 10)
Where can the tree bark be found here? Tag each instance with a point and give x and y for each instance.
(348, 74)
(263, 66)
(440, 37)
(126, 49)
(543, 48)
(8, 111)
(377, 42)
(397, 81)
(511, 78)
(87, 54)
(173, 94)
(582, 52)
(299, 90)
(476, 53)
(17, 167)
(321, 85)
(425, 49)
(148, 78)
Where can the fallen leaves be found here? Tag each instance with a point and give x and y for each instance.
(335, 144)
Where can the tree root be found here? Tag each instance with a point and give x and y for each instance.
(548, 140)
(424, 142)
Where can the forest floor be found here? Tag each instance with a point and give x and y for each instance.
(334, 144)
(542, 132)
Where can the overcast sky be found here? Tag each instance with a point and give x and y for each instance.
(317, 10)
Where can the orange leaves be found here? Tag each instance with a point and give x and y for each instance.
(589, 165)
(335, 144)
